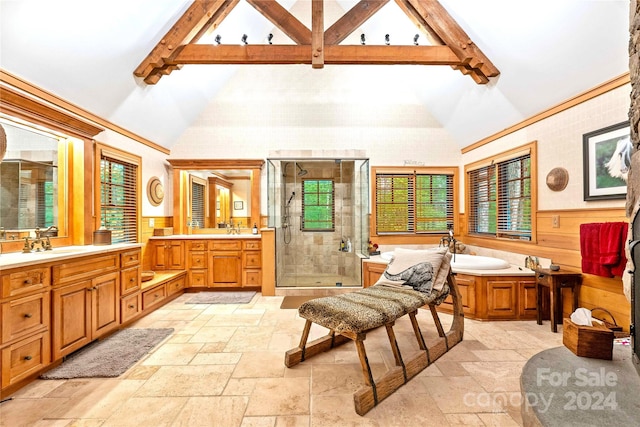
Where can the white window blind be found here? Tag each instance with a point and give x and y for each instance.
(118, 199)
(414, 203)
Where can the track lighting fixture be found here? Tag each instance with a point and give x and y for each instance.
(387, 41)
(415, 39)
(218, 38)
(362, 39)
(269, 38)
(244, 39)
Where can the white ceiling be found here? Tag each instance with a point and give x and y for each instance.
(85, 51)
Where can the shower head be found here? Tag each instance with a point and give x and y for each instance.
(302, 172)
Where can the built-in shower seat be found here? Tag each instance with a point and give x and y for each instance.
(351, 316)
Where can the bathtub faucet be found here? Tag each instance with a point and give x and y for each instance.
(449, 241)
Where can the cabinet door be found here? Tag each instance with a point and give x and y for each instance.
(71, 318)
(130, 280)
(371, 273)
(527, 299)
(226, 269)
(105, 313)
(501, 298)
(176, 254)
(24, 316)
(467, 290)
(159, 255)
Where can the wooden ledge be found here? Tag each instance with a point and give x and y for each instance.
(162, 277)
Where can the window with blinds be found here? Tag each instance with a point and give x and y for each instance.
(414, 202)
(500, 199)
(118, 199)
(197, 204)
(318, 207)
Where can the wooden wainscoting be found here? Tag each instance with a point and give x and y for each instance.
(558, 238)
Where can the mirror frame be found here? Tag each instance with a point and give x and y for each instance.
(181, 168)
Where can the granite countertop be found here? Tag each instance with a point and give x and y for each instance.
(20, 259)
(513, 270)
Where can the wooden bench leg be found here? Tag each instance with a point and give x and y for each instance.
(306, 350)
(418, 333)
(395, 348)
(436, 319)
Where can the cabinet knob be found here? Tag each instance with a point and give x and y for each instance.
(541, 275)
(28, 282)
(28, 358)
(132, 280)
(28, 315)
(132, 306)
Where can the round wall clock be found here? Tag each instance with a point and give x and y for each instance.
(155, 191)
(3, 143)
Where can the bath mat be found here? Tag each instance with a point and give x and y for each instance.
(221, 298)
(295, 301)
(110, 357)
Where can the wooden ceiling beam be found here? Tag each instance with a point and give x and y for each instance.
(352, 20)
(317, 33)
(283, 19)
(199, 17)
(297, 54)
(434, 16)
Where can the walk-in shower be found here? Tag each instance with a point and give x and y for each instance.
(320, 210)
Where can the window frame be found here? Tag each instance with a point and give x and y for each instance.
(194, 180)
(452, 171)
(121, 156)
(303, 227)
(495, 162)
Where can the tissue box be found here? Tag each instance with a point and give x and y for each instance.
(594, 341)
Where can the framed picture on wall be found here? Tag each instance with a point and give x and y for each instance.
(238, 205)
(606, 159)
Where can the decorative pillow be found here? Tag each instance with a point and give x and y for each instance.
(443, 273)
(414, 268)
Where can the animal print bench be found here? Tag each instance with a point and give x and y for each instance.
(351, 316)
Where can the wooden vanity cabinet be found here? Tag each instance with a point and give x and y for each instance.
(197, 263)
(85, 302)
(25, 347)
(225, 263)
(130, 272)
(467, 288)
(371, 272)
(167, 254)
(251, 263)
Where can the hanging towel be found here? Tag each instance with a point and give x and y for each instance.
(617, 268)
(590, 250)
(612, 237)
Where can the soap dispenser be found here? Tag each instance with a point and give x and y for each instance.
(348, 244)
(254, 230)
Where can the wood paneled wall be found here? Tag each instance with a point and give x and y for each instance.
(561, 243)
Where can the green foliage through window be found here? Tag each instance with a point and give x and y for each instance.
(318, 206)
(118, 199)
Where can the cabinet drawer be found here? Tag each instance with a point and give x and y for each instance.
(252, 260)
(130, 307)
(22, 282)
(25, 358)
(252, 245)
(197, 260)
(85, 268)
(24, 316)
(198, 278)
(175, 286)
(130, 280)
(153, 297)
(130, 259)
(225, 245)
(197, 246)
(252, 278)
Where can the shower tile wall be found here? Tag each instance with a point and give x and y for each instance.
(317, 253)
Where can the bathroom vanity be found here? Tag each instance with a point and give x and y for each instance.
(505, 294)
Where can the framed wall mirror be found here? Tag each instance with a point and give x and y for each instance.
(32, 190)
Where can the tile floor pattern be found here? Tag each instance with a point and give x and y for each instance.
(223, 366)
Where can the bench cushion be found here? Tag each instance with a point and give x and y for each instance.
(367, 308)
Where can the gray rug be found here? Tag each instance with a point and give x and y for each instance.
(221, 298)
(110, 357)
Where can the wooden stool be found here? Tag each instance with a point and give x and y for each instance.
(556, 281)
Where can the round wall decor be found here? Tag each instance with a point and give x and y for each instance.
(557, 179)
(155, 191)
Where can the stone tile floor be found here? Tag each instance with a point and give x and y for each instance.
(224, 366)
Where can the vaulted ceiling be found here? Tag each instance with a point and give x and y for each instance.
(537, 53)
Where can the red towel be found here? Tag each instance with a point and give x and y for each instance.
(612, 237)
(590, 250)
(617, 269)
